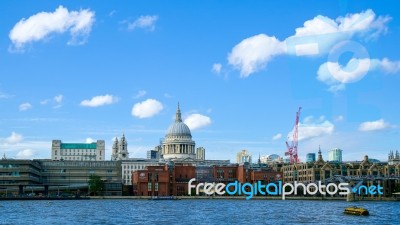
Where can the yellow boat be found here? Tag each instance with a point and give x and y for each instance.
(356, 211)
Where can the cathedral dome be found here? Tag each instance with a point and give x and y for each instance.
(178, 143)
(178, 128)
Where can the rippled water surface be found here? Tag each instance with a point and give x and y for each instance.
(194, 212)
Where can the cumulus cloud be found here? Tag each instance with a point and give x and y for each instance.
(315, 37)
(14, 138)
(374, 125)
(216, 68)
(140, 94)
(147, 108)
(253, 53)
(44, 24)
(385, 65)
(58, 99)
(196, 121)
(25, 106)
(90, 140)
(277, 136)
(99, 101)
(145, 22)
(312, 127)
(25, 154)
(336, 75)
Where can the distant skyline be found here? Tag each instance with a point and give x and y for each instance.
(85, 71)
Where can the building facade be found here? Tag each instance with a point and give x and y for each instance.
(78, 151)
(243, 157)
(394, 158)
(335, 155)
(172, 178)
(131, 165)
(310, 157)
(270, 159)
(152, 154)
(53, 177)
(200, 153)
(178, 143)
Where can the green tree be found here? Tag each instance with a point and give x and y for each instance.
(95, 184)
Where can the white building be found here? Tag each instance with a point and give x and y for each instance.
(200, 153)
(78, 151)
(243, 156)
(120, 149)
(131, 165)
(271, 158)
(178, 143)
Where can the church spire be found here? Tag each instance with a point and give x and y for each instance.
(320, 155)
(178, 117)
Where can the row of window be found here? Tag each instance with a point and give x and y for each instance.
(136, 167)
(76, 158)
(69, 152)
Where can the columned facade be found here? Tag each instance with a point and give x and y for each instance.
(178, 143)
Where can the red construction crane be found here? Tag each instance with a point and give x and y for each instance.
(292, 149)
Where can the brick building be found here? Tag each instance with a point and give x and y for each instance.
(172, 179)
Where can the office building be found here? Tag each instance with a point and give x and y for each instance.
(310, 157)
(335, 155)
(200, 153)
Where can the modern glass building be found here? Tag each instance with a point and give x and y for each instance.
(310, 157)
(335, 155)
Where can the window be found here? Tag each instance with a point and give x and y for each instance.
(55, 152)
(156, 186)
(149, 186)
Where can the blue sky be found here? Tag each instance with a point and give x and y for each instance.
(74, 71)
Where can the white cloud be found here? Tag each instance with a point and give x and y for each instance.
(100, 101)
(25, 154)
(386, 65)
(42, 25)
(14, 138)
(25, 106)
(196, 121)
(336, 76)
(44, 102)
(277, 136)
(145, 22)
(90, 140)
(339, 118)
(58, 98)
(216, 68)
(333, 73)
(140, 94)
(4, 95)
(253, 53)
(147, 108)
(311, 128)
(167, 95)
(316, 36)
(374, 125)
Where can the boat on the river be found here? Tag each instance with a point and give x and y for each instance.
(356, 211)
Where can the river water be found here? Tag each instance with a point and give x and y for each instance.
(194, 212)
